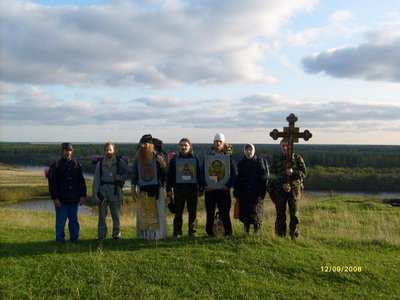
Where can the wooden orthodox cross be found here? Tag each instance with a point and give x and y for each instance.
(291, 134)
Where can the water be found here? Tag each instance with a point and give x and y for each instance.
(41, 169)
(47, 205)
(44, 205)
(358, 194)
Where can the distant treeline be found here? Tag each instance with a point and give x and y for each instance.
(340, 167)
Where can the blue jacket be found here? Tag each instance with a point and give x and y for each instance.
(66, 181)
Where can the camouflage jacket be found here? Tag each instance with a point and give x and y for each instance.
(278, 172)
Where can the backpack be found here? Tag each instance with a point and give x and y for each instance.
(265, 163)
(159, 147)
(118, 158)
(218, 225)
(117, 183)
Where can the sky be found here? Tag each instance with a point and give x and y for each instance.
(94, 71)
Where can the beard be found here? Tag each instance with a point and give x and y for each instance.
(146, 153)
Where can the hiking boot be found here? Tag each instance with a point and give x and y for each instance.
(247, 228)
(294, 235)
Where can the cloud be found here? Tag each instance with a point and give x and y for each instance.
(266, 100)
(157, 43)
(340, 16)
(33, 106)
(375, 60)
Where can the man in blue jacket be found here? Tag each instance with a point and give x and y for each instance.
(68, 190)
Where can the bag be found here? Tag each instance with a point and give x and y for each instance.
(171, 206)
(236, 210)
(218, 226)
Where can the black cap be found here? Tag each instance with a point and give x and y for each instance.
(147, 138)
(67, 146)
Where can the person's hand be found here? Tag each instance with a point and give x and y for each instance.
(57, 203)
(169, 194)
(286, 187)
(208, 188)
(289, 172)
(161, 160)
(82, 200)
(225, 188)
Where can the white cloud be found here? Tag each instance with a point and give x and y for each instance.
(375, 59)
(186, 67)
(340, 16)
(163, 43)
(34, 106)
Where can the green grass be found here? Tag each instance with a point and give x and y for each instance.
(345, 232)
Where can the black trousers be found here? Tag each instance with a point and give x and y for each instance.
(222, 200)
(188, 195)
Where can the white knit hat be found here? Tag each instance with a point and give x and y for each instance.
(219, 137)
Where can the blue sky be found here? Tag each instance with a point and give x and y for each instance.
(92, 71)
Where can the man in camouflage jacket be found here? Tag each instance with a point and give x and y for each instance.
(285, 188)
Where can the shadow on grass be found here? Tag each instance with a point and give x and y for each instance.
(92, 245)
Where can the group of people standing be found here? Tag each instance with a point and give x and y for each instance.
(182, 179)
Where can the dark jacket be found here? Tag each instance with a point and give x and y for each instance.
(171, 179)
(66, 181)
(251, 180)
(250, 184)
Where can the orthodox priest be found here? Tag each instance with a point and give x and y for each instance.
(148, 175)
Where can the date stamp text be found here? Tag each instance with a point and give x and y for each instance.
(341, 269)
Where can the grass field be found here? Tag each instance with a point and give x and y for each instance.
(349, 248)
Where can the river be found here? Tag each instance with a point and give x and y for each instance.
(44, 205)
(47, 205)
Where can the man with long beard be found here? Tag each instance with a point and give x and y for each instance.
(149, 173)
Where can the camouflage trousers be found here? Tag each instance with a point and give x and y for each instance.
(283, 200)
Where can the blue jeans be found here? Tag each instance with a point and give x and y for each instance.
(70, 211)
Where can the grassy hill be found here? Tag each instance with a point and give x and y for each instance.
(349, 248)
